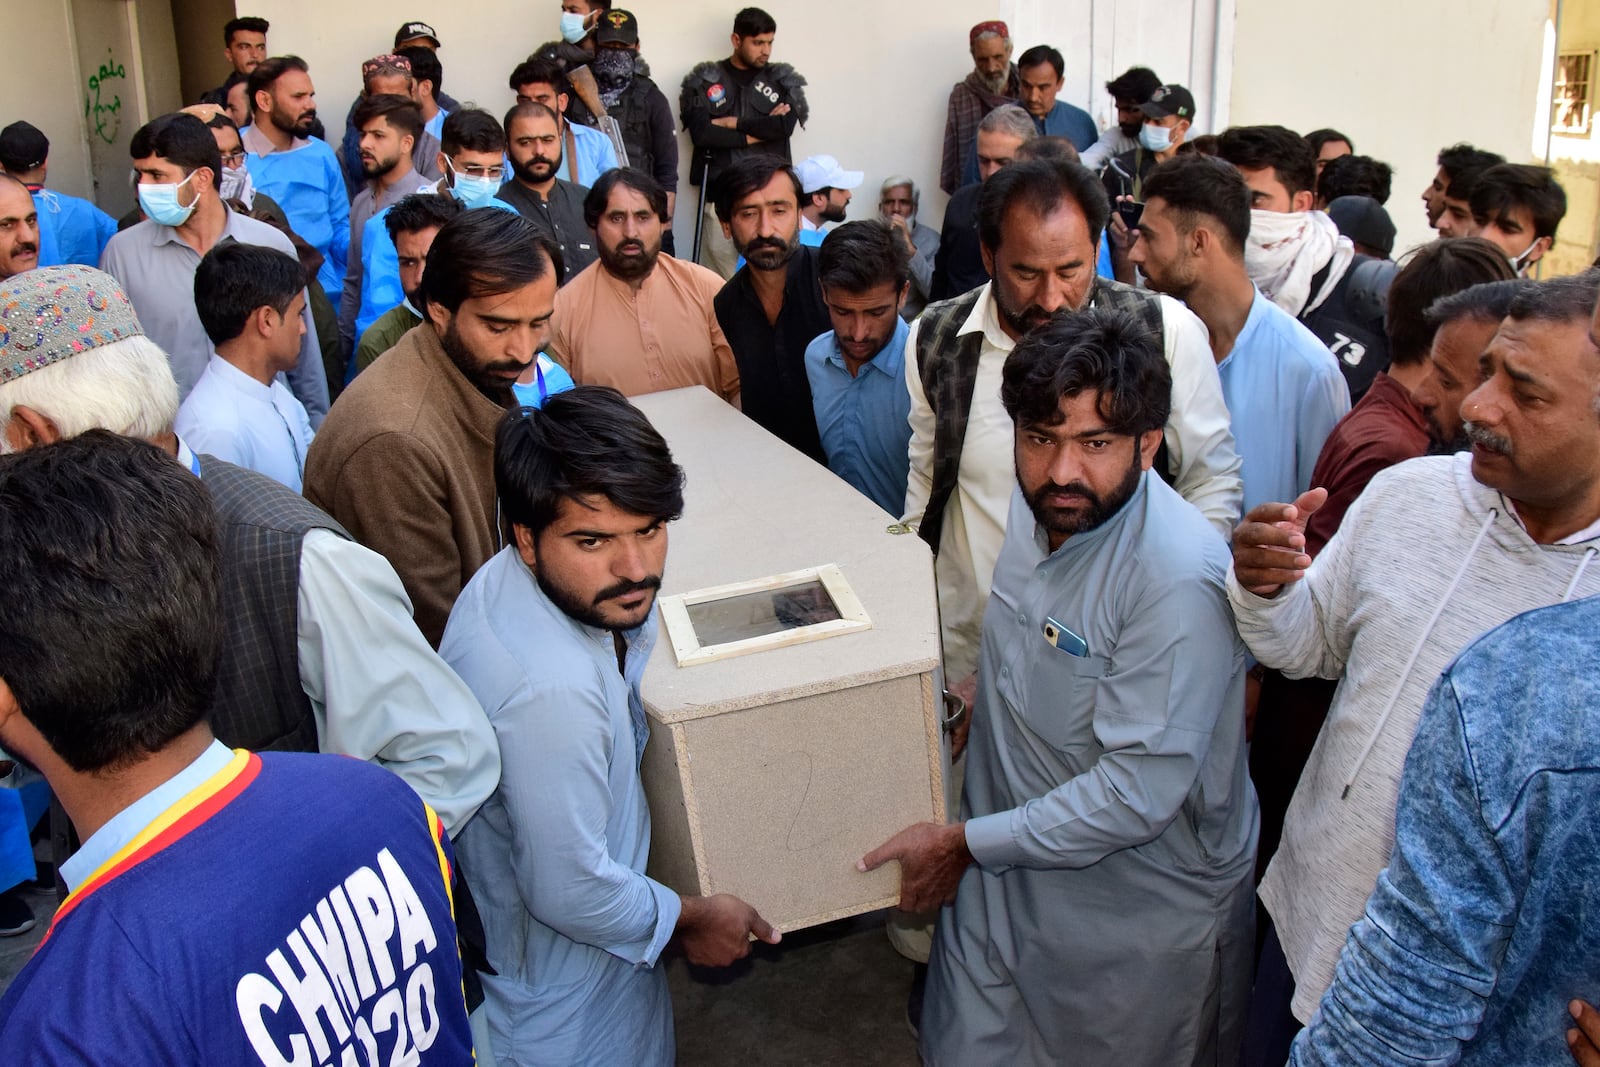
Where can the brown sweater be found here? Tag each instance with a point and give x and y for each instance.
(405, 462)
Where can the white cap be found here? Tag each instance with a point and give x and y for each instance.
(824, 172)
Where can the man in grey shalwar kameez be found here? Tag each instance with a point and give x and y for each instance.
(1102, 876)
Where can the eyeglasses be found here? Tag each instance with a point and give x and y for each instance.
(233, 159)
(496, 172)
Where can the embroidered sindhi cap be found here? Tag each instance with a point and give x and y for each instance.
(49, 314)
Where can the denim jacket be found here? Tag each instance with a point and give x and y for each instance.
(1479, 931)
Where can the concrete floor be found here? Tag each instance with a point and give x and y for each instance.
(834, 994)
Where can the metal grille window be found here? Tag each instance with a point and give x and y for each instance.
(1569, 109)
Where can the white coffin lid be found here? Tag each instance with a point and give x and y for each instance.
(754, 507)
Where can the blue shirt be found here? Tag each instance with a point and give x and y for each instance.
(308, 184)
(71, 230)
(864, 421)
(556, 856)
(549, 378)
(1070, 122)
(594, 151)
(1284, 393)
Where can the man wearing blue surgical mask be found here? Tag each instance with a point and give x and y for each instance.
(574, 47)
(1167, 117)
(176, 164)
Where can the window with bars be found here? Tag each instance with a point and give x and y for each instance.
(1570, 102)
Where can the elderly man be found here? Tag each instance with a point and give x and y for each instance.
(993, 82)
(178, 166)
(637, 320)
(320, 652)
(1101, 873)
(958, 265)
(898, 204)
(1512, 525)
(207, 869)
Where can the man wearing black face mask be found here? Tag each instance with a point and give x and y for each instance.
(649, 131)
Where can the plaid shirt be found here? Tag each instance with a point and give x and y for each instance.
(970, 100)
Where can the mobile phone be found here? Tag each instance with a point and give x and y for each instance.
(1064, 639)
(1131, 211)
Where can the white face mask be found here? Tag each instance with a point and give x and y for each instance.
(1516, 261)
(1155, 138)
(236, 185)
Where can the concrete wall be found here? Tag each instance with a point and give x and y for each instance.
(39, 83)
(1402, 79)
(879, 75)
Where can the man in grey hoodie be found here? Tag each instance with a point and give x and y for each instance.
(1436, 551)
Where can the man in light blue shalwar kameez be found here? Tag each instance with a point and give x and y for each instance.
(1102, 878)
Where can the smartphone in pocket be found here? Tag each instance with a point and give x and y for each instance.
(1063, 639)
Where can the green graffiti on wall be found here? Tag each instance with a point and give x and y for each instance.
(102, 106)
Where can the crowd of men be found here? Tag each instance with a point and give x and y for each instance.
(1264, 561)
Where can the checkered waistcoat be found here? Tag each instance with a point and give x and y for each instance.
(948, 366)
(260, 704)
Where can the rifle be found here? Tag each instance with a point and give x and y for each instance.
(582, 81)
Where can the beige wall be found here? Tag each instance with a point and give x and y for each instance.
(879, 74)
(1403, 79)
(39, 83)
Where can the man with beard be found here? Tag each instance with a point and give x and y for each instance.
(1040, 224)
(1464, 325)
(649, 131)
(554, 205)
(405, 460)
(992, 82)
(1101, 873)
(1511, 526)
(296, 169)
(772, 308)
(1283, 389)
(825, 194)
(411, 225)
(898, 203)
(19, 228)
(1298, 258)
(553, 636)
(637, 320)
(586, 152)
(390, 126)
(856, 369)
(1129, 92)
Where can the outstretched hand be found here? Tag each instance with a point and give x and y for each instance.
(1269, 545)
(932, 856)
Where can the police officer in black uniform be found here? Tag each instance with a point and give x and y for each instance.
(736, 107)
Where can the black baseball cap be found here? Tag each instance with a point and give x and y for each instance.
(617, 27)
(1169, 100)
(23, 147)
(1363, 220)
(412, 30)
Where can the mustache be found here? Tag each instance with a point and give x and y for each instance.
(623, 588)
(25, 248)
(1488, 439)
(765, 242)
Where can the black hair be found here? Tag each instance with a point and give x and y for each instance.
(416, 212)
(1462, 159)
(1558, 299)
(1354, 176)
(219, 95)
(1041, 187)
(594, 205)
(473, 129)
(234, 279)
(745, 176)
(425, 65)
(1204, 185)
(485, 252)
(753, 22)
(112, 631)
(1135, 83)
(400, 112)
(1485, 302)
(1043, 53)
(529, 110)
(247, 23)
(1277, 147)
(541, 70)
(587, 441)
(857, 257)
(1317, 138)
(179, 139)
(269, 70)
(1507, 185)
(1100, 349)
(1429, 275)
(1046, 146)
